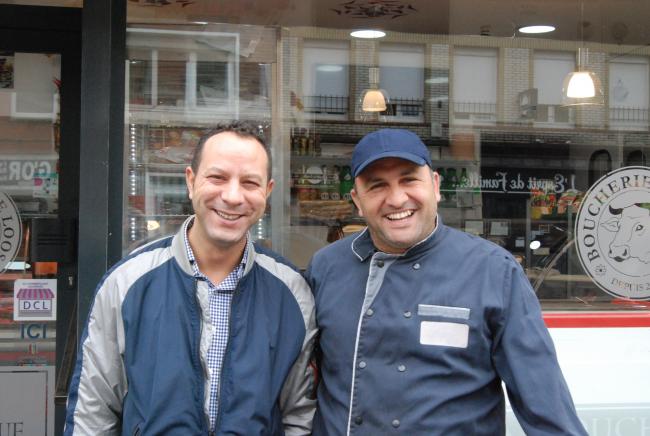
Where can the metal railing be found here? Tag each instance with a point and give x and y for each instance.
(326, 104)
(636, 115)
(475, 107)
(404, 107)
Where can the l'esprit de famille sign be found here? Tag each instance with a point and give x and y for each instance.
(613, 233)
(497, 180)
(11, 230)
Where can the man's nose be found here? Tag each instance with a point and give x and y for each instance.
(232, 192)
(396, 196)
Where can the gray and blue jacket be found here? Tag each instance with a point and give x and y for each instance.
(420, 343)
(141, 366)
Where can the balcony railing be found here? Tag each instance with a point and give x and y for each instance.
(326, 104)
(475, 111)
(475, 107)
(405, 107)
(634, 115)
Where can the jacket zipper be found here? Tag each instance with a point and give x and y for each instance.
(223, 360)
(206, 419)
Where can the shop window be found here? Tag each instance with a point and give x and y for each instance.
(635, 158)
(600, 163)
(474, 100)
(401, 75)
(550, 69)
(628, 92)
(193, 72)
(325, 84)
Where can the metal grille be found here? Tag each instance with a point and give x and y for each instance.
(637, 115)
(326, 104)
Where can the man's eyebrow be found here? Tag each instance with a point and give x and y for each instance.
(252, 176)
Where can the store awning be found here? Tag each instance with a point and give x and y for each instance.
(35, 294)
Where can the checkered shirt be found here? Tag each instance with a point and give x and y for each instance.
(220, 299)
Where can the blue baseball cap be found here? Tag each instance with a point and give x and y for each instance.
(399, 143)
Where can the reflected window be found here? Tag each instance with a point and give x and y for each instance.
(475, 100)
(635, 158)
(550, 69)
(628, 91)
(401, 74)
(600, 163)
(325, 75)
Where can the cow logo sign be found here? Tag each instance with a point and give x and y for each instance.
(10, 231)
(613, 233)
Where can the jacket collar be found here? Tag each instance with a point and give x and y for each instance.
(363, 247)
(180, 253)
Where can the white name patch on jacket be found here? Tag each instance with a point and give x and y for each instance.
(449, 334)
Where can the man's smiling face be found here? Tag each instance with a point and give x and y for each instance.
(399, 201)
(229, 189)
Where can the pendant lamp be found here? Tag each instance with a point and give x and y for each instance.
(582, 87)
(373, 98)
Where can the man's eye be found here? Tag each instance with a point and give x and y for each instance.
(638, 227)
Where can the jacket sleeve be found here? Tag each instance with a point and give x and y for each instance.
(99, 383)
(297, 401)
(525, 359)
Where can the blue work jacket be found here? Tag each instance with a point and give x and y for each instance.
(420, 343)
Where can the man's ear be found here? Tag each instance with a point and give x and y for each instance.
(355, 199)
(436, 185)
(269, 188)
(189, 180)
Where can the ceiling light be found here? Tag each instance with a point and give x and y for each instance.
(436, 80)
(534, 245)
(330, 68)
(368, 34)
(540, 28)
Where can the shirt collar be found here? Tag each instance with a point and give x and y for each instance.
(190, 253)
(363, 247)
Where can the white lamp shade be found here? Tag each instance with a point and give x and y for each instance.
(374, 100)
(582, 88)
(580, 85)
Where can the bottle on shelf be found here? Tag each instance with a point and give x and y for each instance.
(325, 187)
(346, 183)
(302, 186)
(295, 142)
(317, 148)
(463, 182)
(335, 183)
(302, 149)
(452, 184)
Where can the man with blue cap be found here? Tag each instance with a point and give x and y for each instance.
(420, 323)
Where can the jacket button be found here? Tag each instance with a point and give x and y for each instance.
(362, 364)
(380, 263)
(358, 420)
(407, 314)
(416, 266)
(395, 423)
(370, 312)
(401, 368)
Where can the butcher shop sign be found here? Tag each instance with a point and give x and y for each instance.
(10, 231)
(613, 233)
